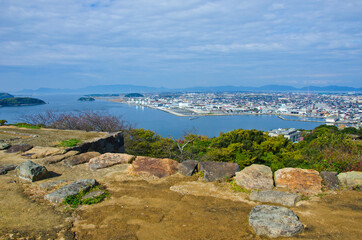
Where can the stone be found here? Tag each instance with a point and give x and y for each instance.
(297, 180)
(350, 180)
(330, 179)
(255, 176)
(188, 167)
(31, 171)
(48, 185)
(274, 221)
(93, 194)
(19, 148)
(110, 159)
(4, 146)
(59, 158)
(69, 190)
(155, 166)
(214, 171)
(6, 168)
(41, 152)
(81, 158)
(283, 198)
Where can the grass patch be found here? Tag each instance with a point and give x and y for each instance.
(237, 188)
(75, 200)
(26, 125)
(69, 143)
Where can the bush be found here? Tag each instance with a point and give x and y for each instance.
(3, 122)
(27, 125)
(75, 200)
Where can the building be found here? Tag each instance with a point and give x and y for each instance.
(291, 133)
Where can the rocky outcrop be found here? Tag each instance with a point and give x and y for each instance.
(4, 146)
(109, 159)
(42, 152)
(70, 190)
(19, 148)
(255, 177)
(274, 221)
(213, 171)
(305, 181)
(283, 198)
(81, 158)
(4, 169)
(330, 179)
(59, 158)
(31, 171)
(350, 180)
(155, 166)
(48, 185)
(188, 167)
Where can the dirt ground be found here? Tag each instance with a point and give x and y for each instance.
(145, 208)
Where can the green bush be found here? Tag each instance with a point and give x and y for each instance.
(3, 122)
(27, 125)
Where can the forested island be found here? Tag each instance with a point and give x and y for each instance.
(86, 99)
(7, 100)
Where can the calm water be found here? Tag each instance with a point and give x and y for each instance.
(162, 123)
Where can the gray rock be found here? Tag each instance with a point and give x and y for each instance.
(31, 171)
(93, 194)
(70, 189)
(350, 180)
(80, 159)
(255, 176)
(214, 171)
(283, 198)
(6, 168)
(4, 145)
(274, 221)
(48, 185)
(330, 179)
(187, 167)
(58, 158)
(19, 148)
(110, 159)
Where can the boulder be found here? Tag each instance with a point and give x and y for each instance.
(274, 221)
(93, 194)
(58, 158)
(255, 177)
(4, 169)
(330, 179)
(188, 167)
(297, 180)
(155, 166)
(110, 159)
(19, 148)
(214, 171)
(69, 190)
(350, 180)
(31, 171)
(81, 158)
(48, 185)
(283, 198)
(4, 146)
(41, 152)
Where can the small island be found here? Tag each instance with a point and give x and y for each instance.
(133, 95)
(86, 99)
(5, 95)
(20, 101)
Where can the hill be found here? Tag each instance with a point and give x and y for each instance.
(5, 95)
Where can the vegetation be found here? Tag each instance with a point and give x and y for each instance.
(3, 122)
(5, 95)
(20, 101)
(75, 200)
(69, 143)
(27, 125)
(86, 99)
(133, 95)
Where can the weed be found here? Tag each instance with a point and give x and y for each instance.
(321, 195)
(69, 143)
(199, 174)
(237, 188)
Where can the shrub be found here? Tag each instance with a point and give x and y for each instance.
(75, 200)
(3, 122)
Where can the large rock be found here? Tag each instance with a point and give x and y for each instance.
(19, 148)
(42, 152)
(4, 169)
(274, 221)
(350, 179)
(255, 177)
(214, 171)
(59, 158)
(4, 145)
(110, 159)
(31, 171)
(188, 167)
(48, 185)
(305, 181)
(283, 198)
(155, 166)
(330, 179)
(70, 190)
(81, 158)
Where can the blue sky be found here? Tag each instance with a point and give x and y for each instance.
(180, 43)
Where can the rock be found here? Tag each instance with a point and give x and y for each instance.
(41, 152)
(283, 198)
(93, 194)
(110, 159)
(297, 180)
(31, 171)
(274, 221)
(48, 185)
(214, 171)
(71, 189)
(81, 158)
(58, 158)
(350, 179)
(255, 177)
(4, 146)
(188, 167)
(19, 148)
(330, 179)
(155, 166)
(4, 169)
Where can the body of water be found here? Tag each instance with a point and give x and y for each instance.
(161, 122)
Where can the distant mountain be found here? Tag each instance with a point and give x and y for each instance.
(331, 89)
(5, 95)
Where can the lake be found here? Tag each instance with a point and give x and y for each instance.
(161, 122)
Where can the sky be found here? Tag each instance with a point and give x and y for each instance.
(180, 43)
